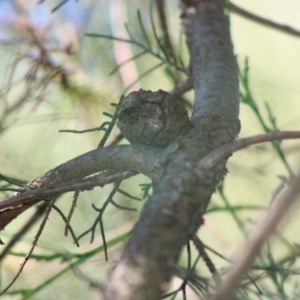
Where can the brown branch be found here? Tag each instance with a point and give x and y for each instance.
(74, 185)
(24, 228)
(41, 228)
(160, 4)
(42, 70)
(75, 198)
(182, 88)
(115, 139)
(30, 198)
(167, 43)
(218, 155)
(284, 28)
(200, 247)
(257, 239)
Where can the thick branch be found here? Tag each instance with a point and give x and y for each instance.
(213, 63)
(168, 220)
(181, 192)
(135, 158)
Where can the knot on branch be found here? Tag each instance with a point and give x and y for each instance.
(152, 118)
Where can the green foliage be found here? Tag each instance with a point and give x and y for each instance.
(65, 256)
(145, 187)
(150, 45)
(246, 98)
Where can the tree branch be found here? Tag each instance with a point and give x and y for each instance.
(164, 27)
(36, 238)
(64, 178)
(12, 206)
(212, 159)
(257, 239)
(284, 28)
(24, 228)
(135, 158)
(181, 194)
(182, 87)
(213, 64)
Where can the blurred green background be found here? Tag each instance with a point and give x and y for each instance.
(30, 143)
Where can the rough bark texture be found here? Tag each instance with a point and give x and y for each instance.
(182, 191)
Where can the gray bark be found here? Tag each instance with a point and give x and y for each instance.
(182, 191)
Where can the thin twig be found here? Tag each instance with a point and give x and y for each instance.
(30, 222)
(212, 159)
(99, 219)
(81, 184)
(160, 4)
(182, 88)
(200, 247)
(217, 253)
(167, 43)
(81, 276)
(41, 228)
(258, 238)
(75, 198)
(253, 281)
(64, 218)
(114, 140)
(284, 28)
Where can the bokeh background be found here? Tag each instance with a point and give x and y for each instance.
(72, 87)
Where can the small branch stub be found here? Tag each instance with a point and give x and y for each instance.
(152, 118)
